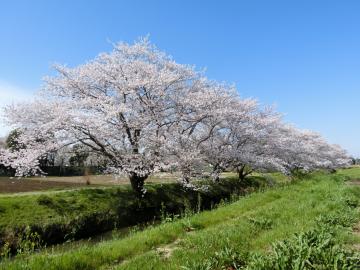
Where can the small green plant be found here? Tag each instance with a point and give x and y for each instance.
(310, 250)
(167, 217)
(5, 251)
(191, 265)
(29, 241)
(188, 211)
(163, 214)
(261, 223)
(234, 197)
(187, 224)
(226, 258)
(134, 229)
(222, 203)
(342, 219)
(352, 202)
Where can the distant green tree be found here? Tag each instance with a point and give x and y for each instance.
(353, 161)
(80, 154)
(12, 141)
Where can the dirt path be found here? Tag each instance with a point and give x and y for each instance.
(54, 184)
(355, 182)
(24, 185)
(47, 191)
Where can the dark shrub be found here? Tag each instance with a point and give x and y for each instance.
(45, 200)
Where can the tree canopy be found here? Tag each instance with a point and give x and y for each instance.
(142, 112)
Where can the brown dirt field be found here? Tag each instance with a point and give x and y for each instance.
(354, 182)
(14, 185)
(108, 179)
(23, 185)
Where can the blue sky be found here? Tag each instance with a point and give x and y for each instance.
(302, 56)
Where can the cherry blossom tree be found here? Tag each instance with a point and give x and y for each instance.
(219, 150)
(124, 105)
(207, 111)
(243, 143)
(139, 112)
(252, 147)
(258, 140)
(307, 151)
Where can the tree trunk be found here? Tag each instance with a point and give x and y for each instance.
(186, 177)
(216, 173)
(137, 183)
(241, 173)
(186, 173)
(216, 178)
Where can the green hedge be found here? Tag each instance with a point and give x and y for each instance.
(70, 170)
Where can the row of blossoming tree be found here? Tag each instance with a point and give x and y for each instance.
(142, 112)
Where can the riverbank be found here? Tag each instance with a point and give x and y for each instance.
(319, 211)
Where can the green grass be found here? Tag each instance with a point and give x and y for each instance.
(61, 216)
(250, 225)
(350, 173)
(26, 209)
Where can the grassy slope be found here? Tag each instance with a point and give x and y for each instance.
(58, 216)
(25, 209)
(250, 224)
(54, 206)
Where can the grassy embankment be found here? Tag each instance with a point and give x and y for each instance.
(321, 209)
(59, 216)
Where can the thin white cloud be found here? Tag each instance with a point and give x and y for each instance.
(9, 94)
